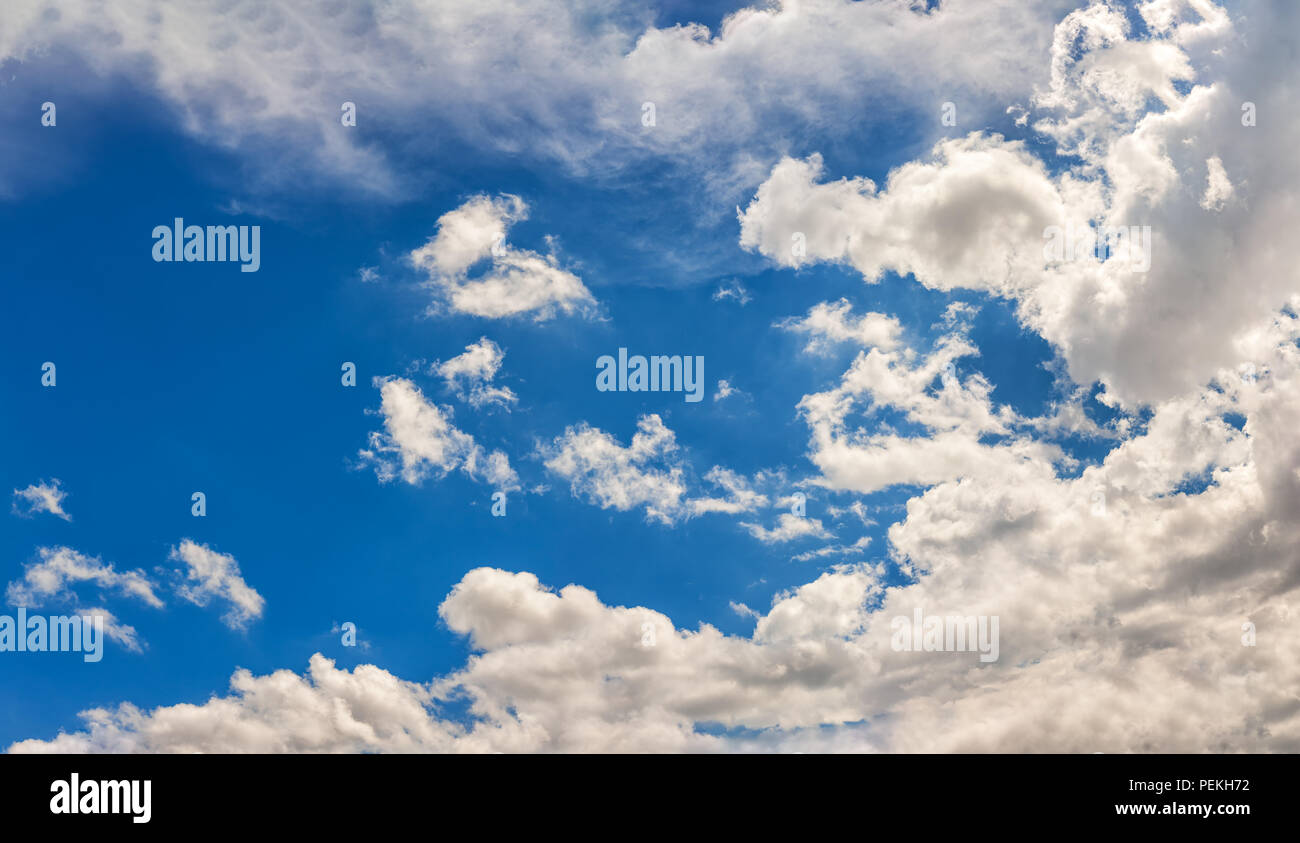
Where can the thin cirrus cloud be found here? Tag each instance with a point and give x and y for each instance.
(574, 76)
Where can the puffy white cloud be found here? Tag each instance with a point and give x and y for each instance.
(41, 497)
(327, 710)
(211, 574)
(60, 569)
(833, 322)
(471, 373)
(516, 282)
(419, 439)
(650, 472)
(480, 362)
(955, 420)
(952, 223)
(610, 475)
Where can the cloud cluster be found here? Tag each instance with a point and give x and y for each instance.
(1146, 599)
(59, 572)
(977, 214)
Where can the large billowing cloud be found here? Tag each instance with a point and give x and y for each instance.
(1163, 311)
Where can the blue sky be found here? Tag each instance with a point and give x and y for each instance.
(174, 378)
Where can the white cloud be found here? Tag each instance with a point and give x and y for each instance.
(732, 289)
(41, 497)
(326, 710)
(62, 568)
(741, 496)
(123, 634)
(649, 472)
(269, 79)
(516, 282)
(856, 549)
(725, 390)
(212, 574)
(419, 440)
(833, 322)
(743, 610)
(1218, 189)
(789, 527)
(610, 475)
(960, 431)
(470, 374)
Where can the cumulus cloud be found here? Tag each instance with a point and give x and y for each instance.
(649, 473)
(41, 497)
(1154, 121)
(516, 281)
(326, 710)
(833, 322)
(952, 427)
(211, 575)
(470, 374)
(611, 475)
(419, 440)
(1121, 628)
(54, 576)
